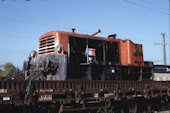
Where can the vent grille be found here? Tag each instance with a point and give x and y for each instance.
(46, 45)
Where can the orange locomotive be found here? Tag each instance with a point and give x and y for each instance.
(69, 55)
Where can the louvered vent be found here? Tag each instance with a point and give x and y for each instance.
(46, 45)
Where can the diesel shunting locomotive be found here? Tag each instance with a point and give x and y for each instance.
(72, 56)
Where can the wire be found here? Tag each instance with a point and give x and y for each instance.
(155, 5)
(22, 28)
(74, 20)
(2, 18)
(146, 7)
(23, 37)
(45, 25)
(119, 36)
(53, 17)
(23, 21)
(34, 23)
(15, 36)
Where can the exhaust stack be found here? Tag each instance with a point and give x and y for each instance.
(73, 30)
(113, 36)
(96, 32)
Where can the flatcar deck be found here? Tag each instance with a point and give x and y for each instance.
(66, 96)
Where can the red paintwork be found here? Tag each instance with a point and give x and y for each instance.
(127, 49)
(130, 53)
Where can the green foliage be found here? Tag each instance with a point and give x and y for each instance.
(8, 69)
(0, 69)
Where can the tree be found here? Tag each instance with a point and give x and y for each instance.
(9, 69)
(0, 70)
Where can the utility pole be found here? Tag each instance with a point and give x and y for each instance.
(164, 48)
(169, 32)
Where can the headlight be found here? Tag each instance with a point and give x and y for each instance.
(33, 54)
(59, 48)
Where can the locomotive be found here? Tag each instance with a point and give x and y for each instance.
(72, 56)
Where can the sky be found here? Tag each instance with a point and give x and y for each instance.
(23, 22)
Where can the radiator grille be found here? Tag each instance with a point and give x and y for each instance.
(46, 45)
